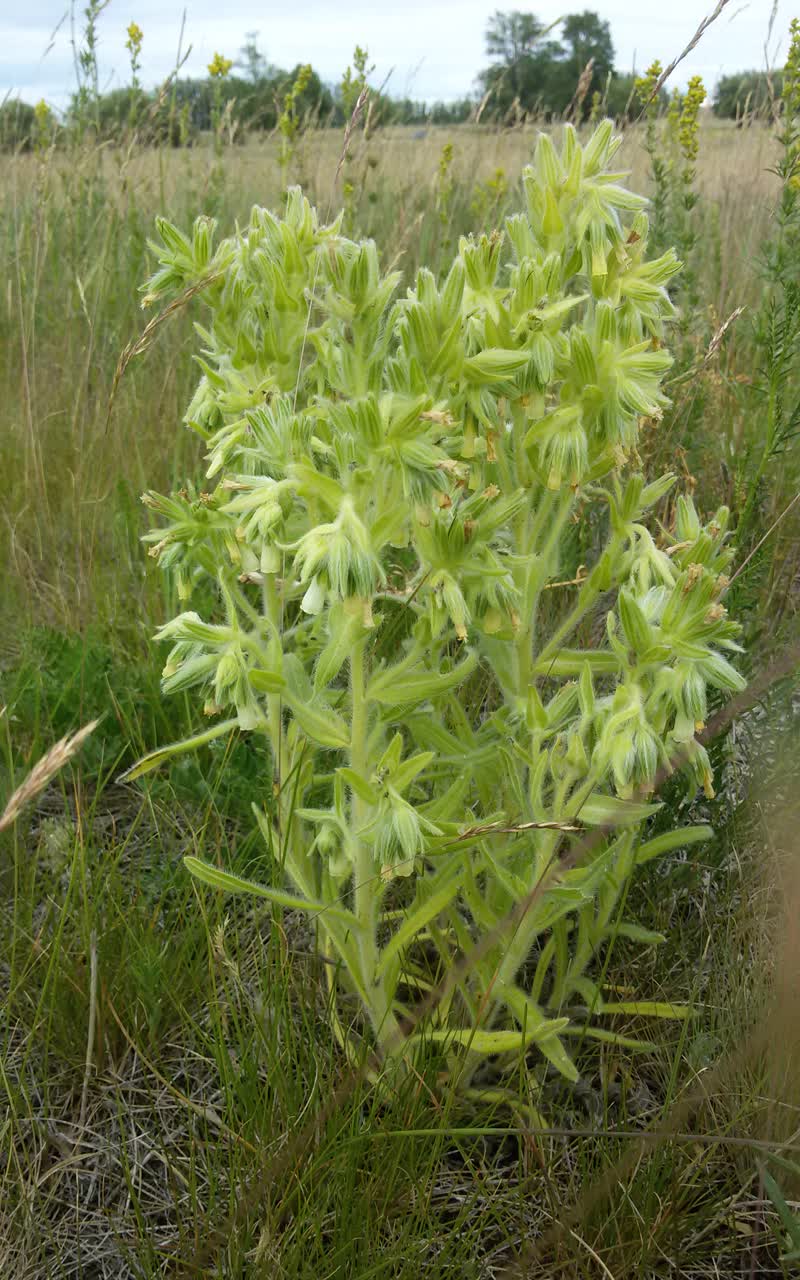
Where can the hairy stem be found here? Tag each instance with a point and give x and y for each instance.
(367, 882)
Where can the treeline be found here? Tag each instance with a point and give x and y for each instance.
(190, 106)
(748, 95)
(186, 109)
(235, 98)
(534, 71)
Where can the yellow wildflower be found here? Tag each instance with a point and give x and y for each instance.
(219, 67)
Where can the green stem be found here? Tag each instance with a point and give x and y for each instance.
(588, 595)
(766, 453)
(529, 580)
(538, 541)
(364, 893)
(546, 565)
(367, 883)
(272, 611)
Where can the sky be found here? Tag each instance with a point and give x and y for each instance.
(430, 49)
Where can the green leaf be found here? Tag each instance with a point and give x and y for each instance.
(174, 239)
(655, 491)
(360, 786)
(543, 1031)
(638, 631)
(264, 827)
(610, 811)
(319, 723)
(554, 1051)
(396, 691)
(672, 840)
(487, 1042)
(409, 769)
(314, 484)
(156, 758)
(636, 933)
(265, 681)
(789, 1219)
(230, 883)
(417, 920)
(722, 675)
(572, 662)
(336, 652)
(648, 1009)
(495, 364)
(612, 1037)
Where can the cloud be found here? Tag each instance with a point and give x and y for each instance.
(429, 48)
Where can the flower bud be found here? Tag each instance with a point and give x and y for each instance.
(638, 633)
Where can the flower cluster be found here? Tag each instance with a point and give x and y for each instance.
(791, 71)
(219, 67)
(646, 88)
(791, 109)
(689, 119)
(134, 41)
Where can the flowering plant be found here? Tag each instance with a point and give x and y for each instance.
(394, 489)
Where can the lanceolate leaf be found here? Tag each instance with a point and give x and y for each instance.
(230, 883)
(672, 840)
(554, 1051)
(417, 919)
(647, 1009)
(494, 365)
(611, 811)
(397, 691)
(483, 1042)
(320, 723)
(611, 1037)
(156, 758)
(636, 933)
(572, 662)
(266, 681)
(361, 786)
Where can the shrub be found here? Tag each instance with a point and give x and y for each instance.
(394, 490)
(17, 126)
(748, 93)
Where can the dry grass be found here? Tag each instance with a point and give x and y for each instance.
(733, 163)
(74, 241)
(185, 1116)
(42, 773)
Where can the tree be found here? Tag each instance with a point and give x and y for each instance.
(588, 39)
(586, 44)
(540, 73)
(619, 97)
(455, 112)
(520, 56)
(314, 102)
(746, 92)
(17, 125)
(252, 61)
(512, 37)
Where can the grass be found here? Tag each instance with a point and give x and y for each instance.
(205, 1038)
(173, 1101)
(75, 242)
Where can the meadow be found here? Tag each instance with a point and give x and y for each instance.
(174, 1101)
